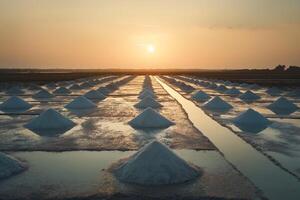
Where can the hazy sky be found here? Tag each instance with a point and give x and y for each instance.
(119, 33)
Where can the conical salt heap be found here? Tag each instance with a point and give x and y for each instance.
(212, 86)
(81, 103)
(249, 96)
(94, 94)
(245, 85)
(43, 94)
(254, 86)
(217, 104)
(86, 85)
(155, 164)
(9, 166)
(149, 118)
(104, 90)
(148, 102)
(200, 96)
(62, 90)
(14, 91)
(282, 106)
(146, 93)
(233, 91)
(14, 104)
(50, 122)
(221, 88)
(75, 86)
(294, 93)
(51, 85)
(273, 91)
(251, 121)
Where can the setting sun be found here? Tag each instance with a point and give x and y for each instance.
(150, 48)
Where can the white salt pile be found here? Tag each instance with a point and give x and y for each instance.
(51, 85)
(85, 85)
(273, 91)
(62, 90)
(233, 92)
(156, 164)
(200, 96)
(282, 106)
(81, 102)
(254, 86)
(149, 118)
(294, 93)
(245, 85)
(50, 122)
(9, 166)
(94, 94)
(251, 121)
(212, 86)
(75, 87)
(43, 94)
(14, 90)
(104, 90)
(221, 88)
(148, 102)
(14, 104)
(249, 96)
(146, 93)
(217, 104)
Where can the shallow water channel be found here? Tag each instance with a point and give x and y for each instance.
(271, 179)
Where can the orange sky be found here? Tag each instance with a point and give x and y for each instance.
(116, 33)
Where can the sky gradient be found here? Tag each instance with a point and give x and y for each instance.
(116, 33)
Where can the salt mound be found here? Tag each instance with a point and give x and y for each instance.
(51, 85)
(81, 103)
(50, 122)
(212, 86)
(294, 93)
(282, 106)
(86, 85)
(149, 118)
(62, 90)
(14, 104)
(251, 121)
(249, 96)
(75, 87)
(9, 166)
(147, 93)
(217, 103)
(104, 90)
(146, 90)
(94, 94)
(14, 90)
(221, 88)
(200, 96)
(244, 85)
(254, 86)
(155, 164)
(148, 102)
(43, 94)
(273, 91)
(233, 91)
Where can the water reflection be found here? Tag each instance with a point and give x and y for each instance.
(272, 180)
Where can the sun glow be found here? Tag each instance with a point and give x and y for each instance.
(150, 48)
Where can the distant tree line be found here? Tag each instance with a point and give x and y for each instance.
(283, 68)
